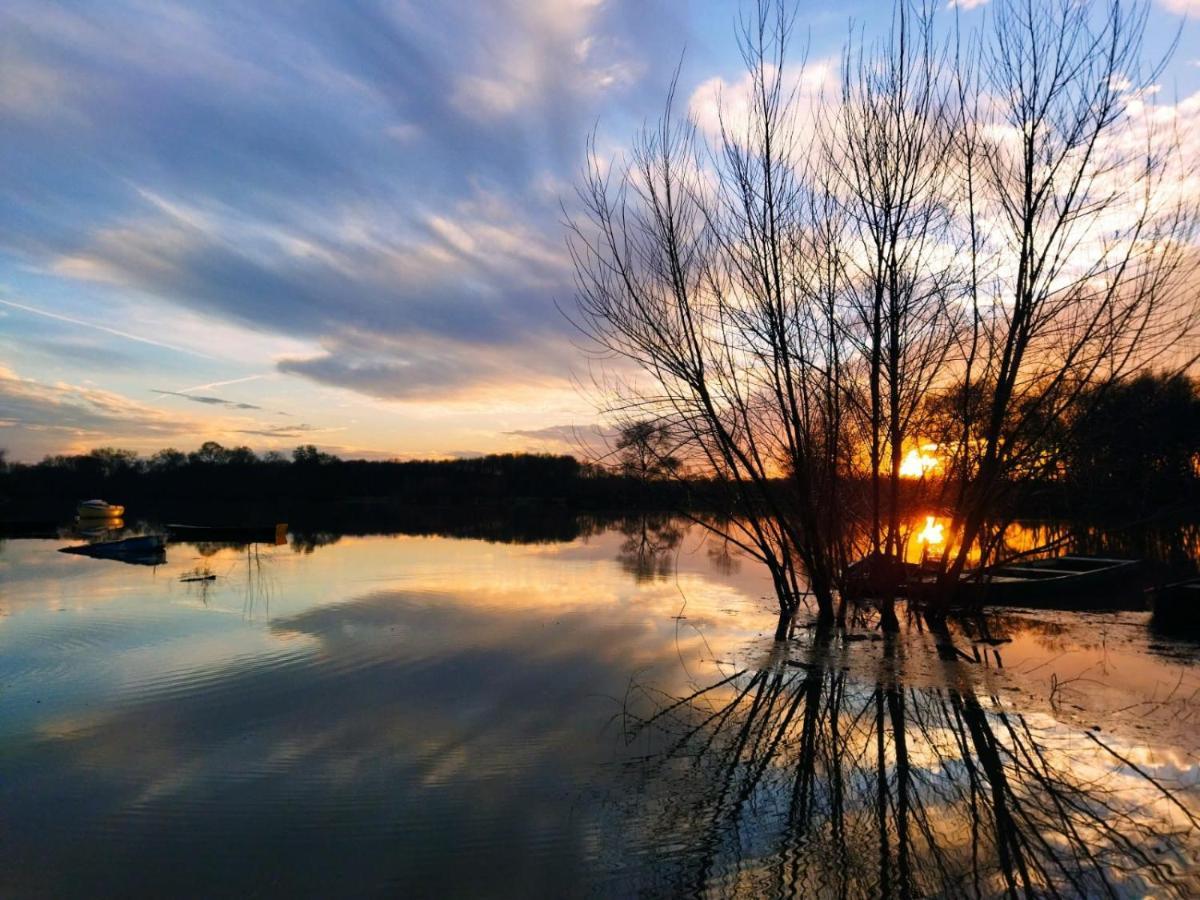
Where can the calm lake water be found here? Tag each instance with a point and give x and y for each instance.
(604, 716)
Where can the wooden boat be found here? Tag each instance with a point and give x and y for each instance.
(1177, 606)
(229, 534)
(147, 549)
(1065, 581)
(98, 509)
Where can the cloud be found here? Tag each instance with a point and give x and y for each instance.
(28, 405)
(375, 190)
(373, 169)
(425, 367)
(283, 431)
(51, 347)
(717, 102)
(95, 326)
(37, 416)
(209, 401)
(591, 439)
(1181, 7)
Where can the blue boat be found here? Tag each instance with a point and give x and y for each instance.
(145, 550)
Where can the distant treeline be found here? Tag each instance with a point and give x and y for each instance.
(1135, 450)
(1135, 445)
(217, 473)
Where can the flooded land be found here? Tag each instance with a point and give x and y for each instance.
(604, 714)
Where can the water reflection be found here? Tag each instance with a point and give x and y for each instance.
(396, 701)
(371, 716)
(831, 770)
(308, 541)
(650, 544)
(1172, 545)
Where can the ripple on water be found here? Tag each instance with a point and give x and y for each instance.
(451, 718)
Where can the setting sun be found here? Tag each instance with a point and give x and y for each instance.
(932, 533)
(919, 462)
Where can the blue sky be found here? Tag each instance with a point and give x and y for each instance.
(276, 223)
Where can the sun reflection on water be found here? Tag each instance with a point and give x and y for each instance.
(427, 693)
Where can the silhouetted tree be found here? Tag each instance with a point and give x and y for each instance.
(167, 459)
(210, 452)
(309, 455)
(644, 452)
(998, 222)
(108, 461)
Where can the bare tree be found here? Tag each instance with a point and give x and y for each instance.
(889, 145)
(691, 265)
(1078, 237)
(958, 245)
(644, 451)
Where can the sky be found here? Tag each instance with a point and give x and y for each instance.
(277, 223)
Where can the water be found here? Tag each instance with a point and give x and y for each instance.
(605, 715)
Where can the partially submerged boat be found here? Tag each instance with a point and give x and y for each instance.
(1067, 582)
(1064, 581)
(229, 534)
(99, 509)
(1177, 606)
(144, 550)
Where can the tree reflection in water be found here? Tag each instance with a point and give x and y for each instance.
(651, 540)
(888, 766)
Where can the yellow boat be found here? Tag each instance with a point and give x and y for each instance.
(98, 509)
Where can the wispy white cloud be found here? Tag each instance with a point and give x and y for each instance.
(96, 326)
(215, 384)
(374, 169)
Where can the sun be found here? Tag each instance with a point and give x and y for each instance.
(933, 533)
(919, 462)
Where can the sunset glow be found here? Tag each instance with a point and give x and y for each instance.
(933, 533)
(600, 447)
(918, 463)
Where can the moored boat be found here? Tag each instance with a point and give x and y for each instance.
(147, 549)
(1064, 581)
(1067, 582)
(94, 529)
(232, 534)
(99, 509)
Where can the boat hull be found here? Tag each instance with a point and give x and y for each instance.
(229, 534)
(1068, 582)
(146, 550)
(1065, 582)
(112, 511)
